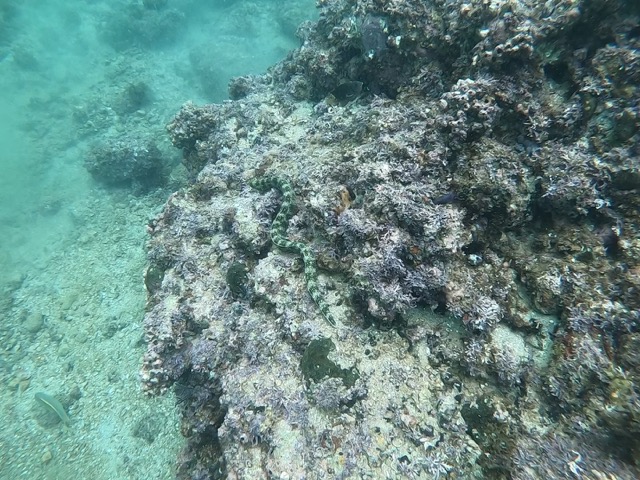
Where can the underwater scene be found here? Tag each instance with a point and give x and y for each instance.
(311, 239)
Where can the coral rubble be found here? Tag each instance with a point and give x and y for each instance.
(467, 176)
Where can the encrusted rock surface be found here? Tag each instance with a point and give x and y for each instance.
(474, 214)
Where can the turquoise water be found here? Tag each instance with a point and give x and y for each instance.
(71, 248)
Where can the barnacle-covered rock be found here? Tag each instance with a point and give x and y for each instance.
(457, 195)
(131, 162)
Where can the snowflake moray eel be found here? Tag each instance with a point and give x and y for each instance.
(278, 234)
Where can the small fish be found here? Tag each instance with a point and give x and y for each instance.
(450, 197)
(54, 405)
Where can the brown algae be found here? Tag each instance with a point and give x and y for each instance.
(54, 405)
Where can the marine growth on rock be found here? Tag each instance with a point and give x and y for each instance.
(467, 175)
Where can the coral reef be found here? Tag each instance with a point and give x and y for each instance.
(473, 212)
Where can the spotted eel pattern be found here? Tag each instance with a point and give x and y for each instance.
(278, 234)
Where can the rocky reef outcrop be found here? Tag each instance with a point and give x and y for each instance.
(466, 180)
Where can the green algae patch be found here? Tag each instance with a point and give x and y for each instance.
(55, 406)
(315, 364)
